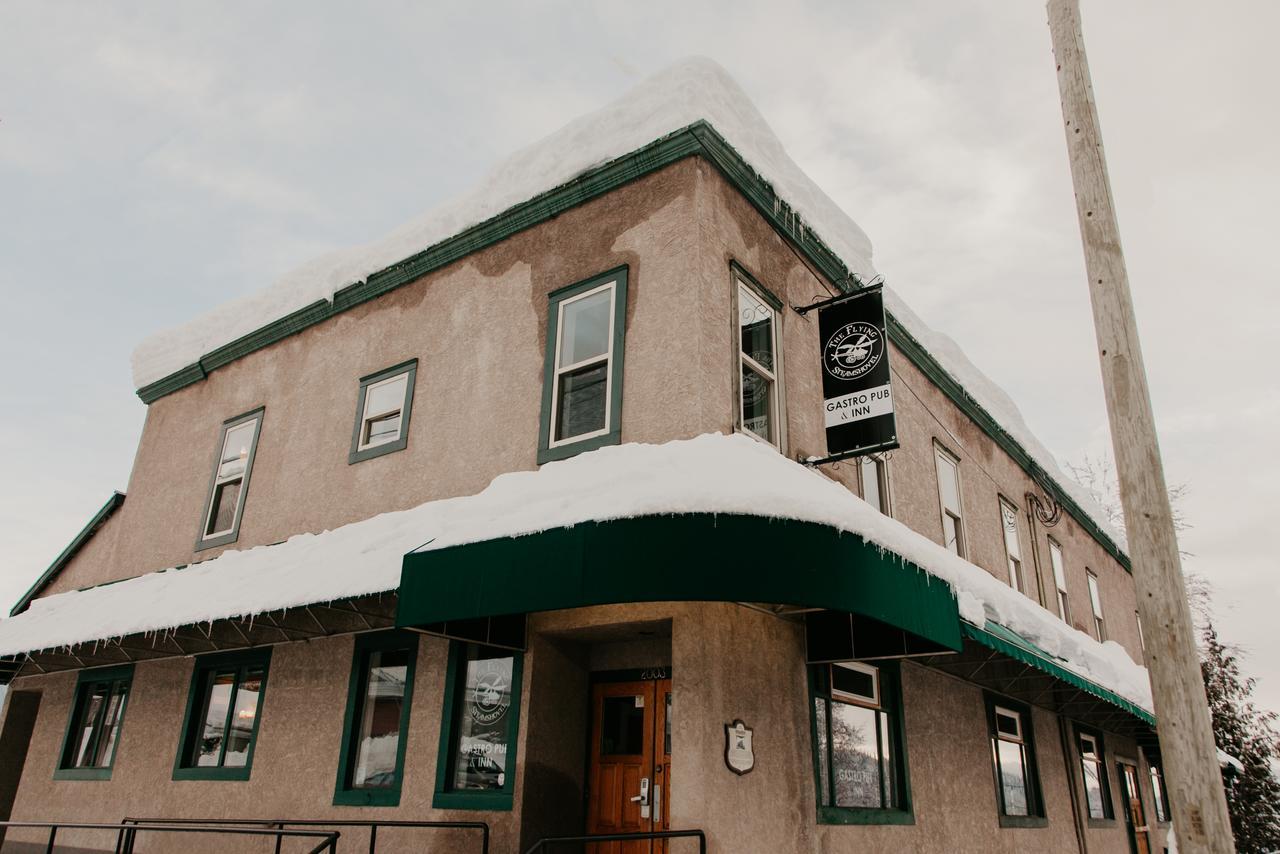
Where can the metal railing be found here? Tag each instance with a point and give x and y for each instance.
(622, 837)
(125, 833)
(280, 824)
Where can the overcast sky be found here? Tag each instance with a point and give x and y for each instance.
(157, 159)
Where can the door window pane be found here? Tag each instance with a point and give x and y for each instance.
(585, 330)
(380, 713)
(483, 730)
(622, 726)
(666, 731)
(582, 403)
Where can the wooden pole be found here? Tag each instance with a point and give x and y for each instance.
(1186, 735)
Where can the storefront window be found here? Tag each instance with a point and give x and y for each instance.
(1014, 762)
(1097, 788)
(93, 731)
(858, 744)
(372, 760)
(479, 740)
(223, 711)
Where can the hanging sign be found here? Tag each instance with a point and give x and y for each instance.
(856, 395)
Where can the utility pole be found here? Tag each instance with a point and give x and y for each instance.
(1187, 748)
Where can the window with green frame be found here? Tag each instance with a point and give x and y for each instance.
(1013, 758)
(1093, 767)
(476, 765)
(371, 763)
(582, 379)
(93, 728)
(224, 708)
(229, 486)
(384, 405)
(860, 753)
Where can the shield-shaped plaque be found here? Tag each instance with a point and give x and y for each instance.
(738, 752)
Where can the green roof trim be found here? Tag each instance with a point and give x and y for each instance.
(997, 637)
(697, 557)
(698, 139)
(99, 519)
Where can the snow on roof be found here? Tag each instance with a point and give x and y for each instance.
(709, 474)
(689, 91)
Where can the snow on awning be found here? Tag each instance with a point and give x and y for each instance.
(711, 474)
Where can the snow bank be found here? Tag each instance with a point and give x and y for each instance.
(709, 474)
(689, 91)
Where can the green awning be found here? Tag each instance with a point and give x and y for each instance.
(691, 557)
(997, 637)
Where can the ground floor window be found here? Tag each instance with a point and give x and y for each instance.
(93, 730)
(859, 750)
(1093, 765)
(371, 764)
(1014, 760)
(223, 710)
(476, 766)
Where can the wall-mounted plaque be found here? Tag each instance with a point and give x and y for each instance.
(738, 752)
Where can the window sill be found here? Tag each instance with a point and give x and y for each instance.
(1101, 823)
(1023, 821)
(220, 540)
(850, 815)
(82, 774)
(377, 451)
(367, 798)
(240, 774)
(495, 801)
(572, 449)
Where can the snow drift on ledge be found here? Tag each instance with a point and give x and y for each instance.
(709, 474)
(673, 99)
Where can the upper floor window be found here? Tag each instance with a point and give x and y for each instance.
(1095, 600)
(89, 748)
(1012, 547)
(582, 392)
(874, 473)
(1013, 753)
(383, 407)
(1060, 580)
(1097, 786)
(1142, 639)
(858, 732)
(232, 466)
(758, 362)
(949, 498)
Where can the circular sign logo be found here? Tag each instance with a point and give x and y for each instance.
(853, 351)
(489, 698)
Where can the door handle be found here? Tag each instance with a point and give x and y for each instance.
(643, 798)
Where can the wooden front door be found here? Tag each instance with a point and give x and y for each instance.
(630, 785)
(1134, 818)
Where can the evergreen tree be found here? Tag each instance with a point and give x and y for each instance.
(1247, 733)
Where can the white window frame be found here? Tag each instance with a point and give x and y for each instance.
(210, 539)
(879, 469)
(1017, 719)
(872, 701)
(1142, 639)
(942, 456)
(367, 416)
(1017, 578)
(1095, 602)
(1058, 562)
(559, 370)
(772, 376)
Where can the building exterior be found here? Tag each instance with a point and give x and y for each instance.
(634, 633)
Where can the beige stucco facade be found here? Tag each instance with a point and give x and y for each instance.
(478, 330)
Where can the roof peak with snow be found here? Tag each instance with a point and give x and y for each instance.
(691, 91)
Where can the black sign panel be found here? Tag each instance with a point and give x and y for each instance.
(857, 399)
